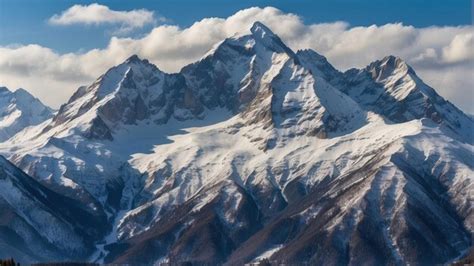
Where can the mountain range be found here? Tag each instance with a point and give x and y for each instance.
(253, 152)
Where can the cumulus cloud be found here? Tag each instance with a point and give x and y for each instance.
(460, 49)
(442, 56)
(96, 14)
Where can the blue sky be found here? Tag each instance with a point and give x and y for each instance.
(50, 48)
(25, 21)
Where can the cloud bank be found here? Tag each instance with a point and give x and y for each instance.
(442, 56)
(96, 14)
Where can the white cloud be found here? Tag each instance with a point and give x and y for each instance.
(460, 49)
(442, 56)
(96, 14)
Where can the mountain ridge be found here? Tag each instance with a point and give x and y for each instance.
(256, 152)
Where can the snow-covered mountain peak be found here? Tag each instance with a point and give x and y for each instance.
(4, 89)
(20, 97)
(122, 94)
(133, 69)
(391, 87)
(258, 76)
(311, 54)
(390, 75)
(389, 66)
(260, 41)
(133, 59)
(23, 94)
(318, 65)
(263, 35)
(260, 31)
(20, 109)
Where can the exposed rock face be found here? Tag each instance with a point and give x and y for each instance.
(256, 152)
(98, 130)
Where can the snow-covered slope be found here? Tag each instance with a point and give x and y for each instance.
(363, 193)
(38, 224)
(258, 152)
(18, 110)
